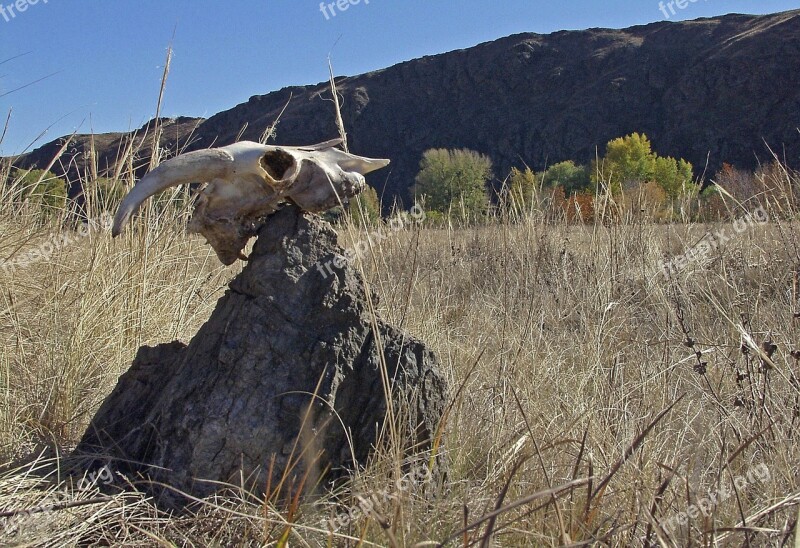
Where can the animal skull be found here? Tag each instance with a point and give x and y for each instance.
(247, 181)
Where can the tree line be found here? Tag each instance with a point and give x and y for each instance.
(629, 179)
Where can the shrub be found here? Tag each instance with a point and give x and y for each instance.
(572, 177)
(739, 183)
(579, 207)
(646, 200)
(627, 159)
(40, 188)
(631, 160)
(740, 190)
(673, 176)
(454, 181)
(777, 183)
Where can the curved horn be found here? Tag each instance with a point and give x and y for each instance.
(345, 160)
(322, 146)
(351, 162)
(362, 165)
(192, 167)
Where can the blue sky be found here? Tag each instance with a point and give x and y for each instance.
(102, 60)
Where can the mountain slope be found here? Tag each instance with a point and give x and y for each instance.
(712, 88)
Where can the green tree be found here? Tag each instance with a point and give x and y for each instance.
(628, 159)
(674, 176)
(572, 177)
(41, 188)
(454, 181)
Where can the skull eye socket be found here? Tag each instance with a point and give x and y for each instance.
(276, 163)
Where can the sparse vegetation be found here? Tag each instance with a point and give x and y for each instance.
(453, 183)
(573, 360)
(572, 177)
(630, 160)
(39, 188)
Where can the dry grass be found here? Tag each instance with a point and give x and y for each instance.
(574, 362)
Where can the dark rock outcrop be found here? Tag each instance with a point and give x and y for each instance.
(713, 88)
(287, 368)
(104, 151)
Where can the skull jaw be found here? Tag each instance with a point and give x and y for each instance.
(228, 237)
(228, 215)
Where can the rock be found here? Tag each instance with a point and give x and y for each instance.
(295, 322)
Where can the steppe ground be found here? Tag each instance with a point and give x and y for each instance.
(596, 401)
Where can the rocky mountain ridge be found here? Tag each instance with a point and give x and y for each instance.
(711, 90)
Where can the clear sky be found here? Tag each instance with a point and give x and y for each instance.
(102, 60)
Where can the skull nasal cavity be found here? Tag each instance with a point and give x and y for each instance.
(276, 162)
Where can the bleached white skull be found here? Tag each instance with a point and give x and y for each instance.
(247, 181)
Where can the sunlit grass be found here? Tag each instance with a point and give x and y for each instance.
(562, 344)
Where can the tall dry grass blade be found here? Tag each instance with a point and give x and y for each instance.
(440, 429)
(305, 425)
(241, 132)
(631, 449)
(465, 523)
(271, 131)
(55, 507)
(657, 499)
(559, 516)
(5, 126)
(391, 413)
(338, 108)
(57, 156)
(155, 157)
(490, 524)
(516, 504)
(29, 84)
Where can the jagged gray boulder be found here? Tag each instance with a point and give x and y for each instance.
(294, 323)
